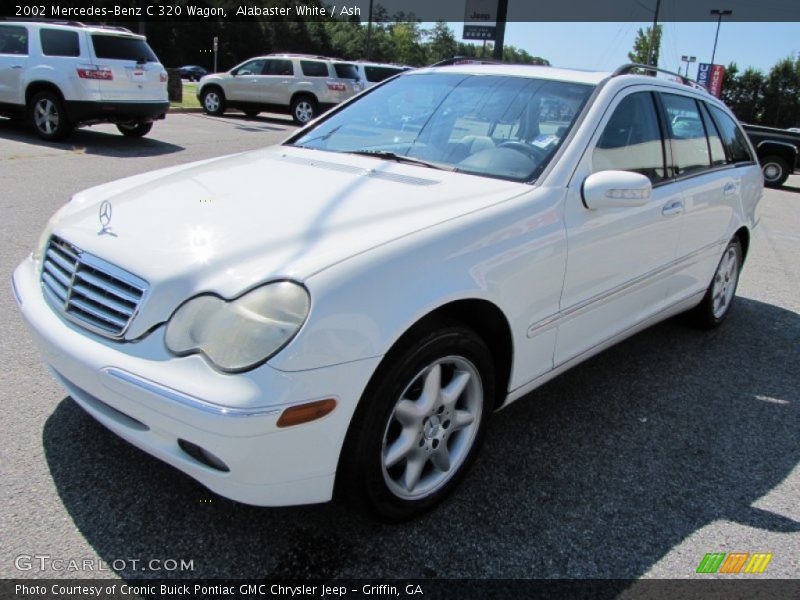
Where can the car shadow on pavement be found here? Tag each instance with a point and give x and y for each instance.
(91, 141)
(597, 474)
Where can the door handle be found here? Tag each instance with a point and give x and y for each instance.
(673, 208)
(16, 66)
(730, 188)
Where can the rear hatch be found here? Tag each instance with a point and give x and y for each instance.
(137, 74)
(347, 76)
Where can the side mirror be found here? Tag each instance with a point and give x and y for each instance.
(616, 189)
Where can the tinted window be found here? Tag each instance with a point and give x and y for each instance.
(57, 42)
(251, 67)
(631, 140)
(714, 139)
(122, 48)
(492, 125)
(278, 67)
(732, 137)
(378, 74)
(312, 68)
(13, 40)
(689, 143)
(345, 71)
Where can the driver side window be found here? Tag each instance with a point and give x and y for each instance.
(632, 140)
(253, 67)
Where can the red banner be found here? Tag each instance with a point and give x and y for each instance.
(715, 80)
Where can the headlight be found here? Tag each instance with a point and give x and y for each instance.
(237, 335)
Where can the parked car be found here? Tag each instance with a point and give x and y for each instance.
(778, 152)
(348, 308)
(62, 76)
(192, 72)
(301, 85)
(372, 73)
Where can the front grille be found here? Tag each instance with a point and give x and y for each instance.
(89, 290)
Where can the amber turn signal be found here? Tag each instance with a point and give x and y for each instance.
(303, 413)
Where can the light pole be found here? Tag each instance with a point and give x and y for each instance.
(369, 31)
(719, 13)
(651, 46)
(687, 60)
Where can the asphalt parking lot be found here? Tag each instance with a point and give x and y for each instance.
(635, 464)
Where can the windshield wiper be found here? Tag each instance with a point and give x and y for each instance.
(401, 158)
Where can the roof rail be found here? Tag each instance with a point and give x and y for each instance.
(45, 21)
(466, 60)
(627, 68)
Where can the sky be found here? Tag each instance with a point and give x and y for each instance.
(604, 46)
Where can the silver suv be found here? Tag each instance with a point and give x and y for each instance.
(64, 75)
(302, 85)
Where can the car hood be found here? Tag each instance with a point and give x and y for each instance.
(227, 224)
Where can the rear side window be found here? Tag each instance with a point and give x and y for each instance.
(689, 143)
(313, 68)
(631, 140)
(278, 67)
(13, 40)
(345, 71)
(58, 42)
(714, 140)
(735, 143)
(115, 47)
(378, 74)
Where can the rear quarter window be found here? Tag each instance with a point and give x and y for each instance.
(346, 71)
(13, 40)
(115, 47)
(313, 68)
(736, 146)
(58, 42)
(378, 74)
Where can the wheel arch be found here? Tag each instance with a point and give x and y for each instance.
(34, 87)
(303, 93)
(486, 319)
(743, 235)
(780, 150)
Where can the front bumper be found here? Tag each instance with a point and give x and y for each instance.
(153, 399)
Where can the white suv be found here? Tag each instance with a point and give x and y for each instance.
(350, 307)
(65, 75)
(302, 85)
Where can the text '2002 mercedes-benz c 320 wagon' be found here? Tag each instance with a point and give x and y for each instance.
(423, 255)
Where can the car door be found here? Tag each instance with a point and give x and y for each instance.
(618, 259)
(276, 81)
(709, 187)
(13, 59)
(244, 85)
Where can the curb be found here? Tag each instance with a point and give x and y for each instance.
(184, 110)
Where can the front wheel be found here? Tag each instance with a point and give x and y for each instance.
(304, 109)
(213, 101)
(775, 170)
(134, 129)
(420, 423)
(722, 290)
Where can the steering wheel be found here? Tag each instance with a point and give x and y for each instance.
(533, 152)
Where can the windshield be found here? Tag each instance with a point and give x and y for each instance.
(122, 48)
(498, 126)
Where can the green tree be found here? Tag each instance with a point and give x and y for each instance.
(641, 46)
(781, 102)
(441, 42)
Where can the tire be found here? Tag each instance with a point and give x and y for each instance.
(775, 170)
(719, 297)
(252, 113)
(409, 445)
(304, 109)
(49, 117)
(213, 101)
(134, 130)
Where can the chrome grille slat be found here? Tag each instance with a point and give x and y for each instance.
(107, 286)
(90, 291)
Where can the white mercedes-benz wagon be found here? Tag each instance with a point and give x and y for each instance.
(346, 310)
